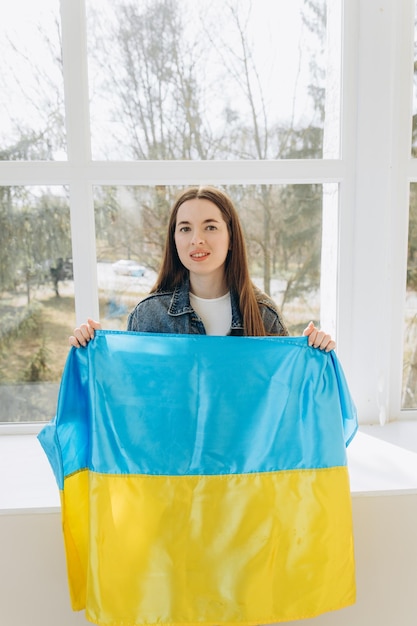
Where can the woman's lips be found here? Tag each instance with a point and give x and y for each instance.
(199, 255)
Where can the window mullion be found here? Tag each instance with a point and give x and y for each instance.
(373, 204)
(402, 95)
(74, 50)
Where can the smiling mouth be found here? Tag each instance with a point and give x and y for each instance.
(199, 255)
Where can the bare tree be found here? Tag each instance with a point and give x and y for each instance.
(155, 70)
(258, 135)
(151, 72)
(158, 92)
(43, 96)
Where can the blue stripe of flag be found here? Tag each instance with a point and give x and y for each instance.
(135, 403)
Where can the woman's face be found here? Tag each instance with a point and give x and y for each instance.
(202, 238)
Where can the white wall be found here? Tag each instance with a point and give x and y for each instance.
(33, 587)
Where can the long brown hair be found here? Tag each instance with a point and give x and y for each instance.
(172, 272)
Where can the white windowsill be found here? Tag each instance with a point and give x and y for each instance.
(382, 461)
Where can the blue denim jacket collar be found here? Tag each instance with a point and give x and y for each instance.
(180, 304)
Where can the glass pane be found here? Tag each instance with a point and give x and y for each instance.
(205, 79)
(31, 82)
(283, 229)
(36, 300)
(409, 391)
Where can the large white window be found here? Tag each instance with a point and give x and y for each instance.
(287, 107)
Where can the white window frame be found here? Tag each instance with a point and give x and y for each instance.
(373, 174)
(374, 205)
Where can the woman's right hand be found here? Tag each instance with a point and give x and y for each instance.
(84, 333)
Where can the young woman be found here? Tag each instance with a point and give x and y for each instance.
(204, 285)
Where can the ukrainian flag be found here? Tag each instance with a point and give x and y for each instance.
(203, 479)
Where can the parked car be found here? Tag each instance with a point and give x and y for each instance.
(129, 267)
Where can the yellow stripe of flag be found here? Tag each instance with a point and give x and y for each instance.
(191, 549)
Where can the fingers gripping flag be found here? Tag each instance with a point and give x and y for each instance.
(203, 480)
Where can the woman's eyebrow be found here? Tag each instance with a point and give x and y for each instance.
(210, 219)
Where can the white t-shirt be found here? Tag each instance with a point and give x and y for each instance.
(215, 313)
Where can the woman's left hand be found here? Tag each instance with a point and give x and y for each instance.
(318, 338)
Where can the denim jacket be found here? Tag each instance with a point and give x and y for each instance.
(171, 312)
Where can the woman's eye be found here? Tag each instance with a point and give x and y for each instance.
(184, 229)
(211, 227)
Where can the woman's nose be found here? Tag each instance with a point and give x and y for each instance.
(197, 238)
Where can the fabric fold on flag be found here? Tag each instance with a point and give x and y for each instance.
(203, 479)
